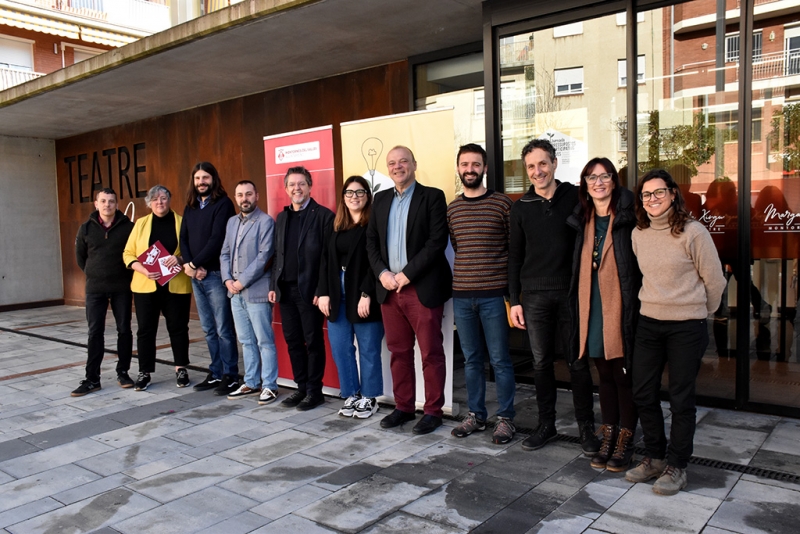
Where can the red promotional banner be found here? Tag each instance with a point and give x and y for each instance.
(312, 149)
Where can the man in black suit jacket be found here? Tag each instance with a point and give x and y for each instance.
(406, 239)
(301, 233)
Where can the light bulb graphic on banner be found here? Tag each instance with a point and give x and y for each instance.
(371, 150)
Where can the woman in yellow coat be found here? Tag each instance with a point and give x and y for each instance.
(151, 299)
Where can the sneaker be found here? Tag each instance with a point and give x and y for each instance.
(647, 469)
(544, 434)
(366, 407)
(294, 399)
(503, 431)
(244, 391)
(124, 380)
(268, 396)
(209, 383)
(671, 481)
(182, 377)
(227, 385)
(470, 424)
(86, 386)
(349, 406)
(142, 381)
(590, 443)
(310, 402)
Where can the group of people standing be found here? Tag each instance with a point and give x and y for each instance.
(625, 280)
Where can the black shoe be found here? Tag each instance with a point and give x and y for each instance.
(310, 402)
(544, 434)
(294, 399)
(397, 418)
(209, 383)
(142, 381)
(86, 386)
(182, 377)
(427, 424)
(124, 380)
(590, 443)
(227, 385)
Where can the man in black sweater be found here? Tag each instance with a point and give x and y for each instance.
(98, 251)
(539, 271)
(208, 209)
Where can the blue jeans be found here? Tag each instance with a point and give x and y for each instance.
(254, 330)
(470, 315)
(214, 310)
(369, 336)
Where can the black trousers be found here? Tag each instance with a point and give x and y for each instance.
(302, 330)
(616, 393)
(175, 308)
(96, 309)
(547, 320)
(681, 345)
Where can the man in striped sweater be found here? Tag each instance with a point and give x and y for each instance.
(479, 232)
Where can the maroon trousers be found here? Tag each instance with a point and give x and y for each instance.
(405, 320)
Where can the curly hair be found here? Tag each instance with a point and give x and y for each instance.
(679, 216)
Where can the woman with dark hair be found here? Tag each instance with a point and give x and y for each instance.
(605, 304)
(347, 298)
(682, 284)
(150, 298)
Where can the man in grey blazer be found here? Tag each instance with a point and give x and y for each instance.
(245, 264)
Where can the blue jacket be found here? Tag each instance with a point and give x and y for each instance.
(255, 251)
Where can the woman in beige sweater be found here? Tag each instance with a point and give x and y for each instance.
(682, 284)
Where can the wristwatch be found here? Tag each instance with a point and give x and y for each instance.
(364, 295)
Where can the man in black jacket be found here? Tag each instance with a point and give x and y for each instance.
(301, 234)
(406, 239)
(205, 217)
(98, 251)
(539, 271)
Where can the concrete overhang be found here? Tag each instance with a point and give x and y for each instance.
(250, 47)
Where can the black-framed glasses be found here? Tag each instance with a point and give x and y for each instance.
(357, 192)
(602, 178)
(657, 193)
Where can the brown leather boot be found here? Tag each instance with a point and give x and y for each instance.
(608, 435)
(623, 453)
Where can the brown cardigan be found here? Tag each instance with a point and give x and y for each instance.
(610, 293)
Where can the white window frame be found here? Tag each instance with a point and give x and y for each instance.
(575, 28)
(622, 18)
(30, 43)
(622, 71)
(568, 81)
(733, 57)
(479, 101)
(88, 49)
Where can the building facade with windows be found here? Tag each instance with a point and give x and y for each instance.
(707, 89)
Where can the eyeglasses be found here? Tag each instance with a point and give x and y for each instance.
(602, 178)
(357, 192)
(658, 194)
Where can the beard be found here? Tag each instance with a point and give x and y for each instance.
(247, 207)
(202, 190)
(474, 183)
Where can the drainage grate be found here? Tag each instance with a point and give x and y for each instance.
(694, 460)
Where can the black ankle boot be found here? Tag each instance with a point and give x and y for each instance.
(623, 453)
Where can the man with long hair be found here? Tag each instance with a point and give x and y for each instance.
(207, 211)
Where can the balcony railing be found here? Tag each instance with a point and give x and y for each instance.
(775, 65)
(149, 15)
(11, 77)
(515, 54)
(209, 6)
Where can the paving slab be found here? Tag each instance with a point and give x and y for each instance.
(434, 466)
(344, 476)
(152, 410)
(467, 501)
(356, 507)
(27, 511)
(69, 433)
(402, 523)
(88, 515)
(784, 438)
(238, 524)
(293, 523)
(197, 511)
(14, 448)
(163, 463)
(188, 479)
(356, 445)
(401, 451)
(279, 477)
(754, 507)
(772, 460)
(35, 487)
(135, 433)
(592, 500)
(735, 445)
(195, 435)
(521, 515)
(271, 448)
(561, 523)
(642, 511)
(288, 502)
(53, 457)
(134, 455)
(530, 466)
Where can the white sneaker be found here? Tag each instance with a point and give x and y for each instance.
(267, 396)
(365, 407)
(243, 391)
(349, 406)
